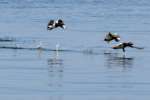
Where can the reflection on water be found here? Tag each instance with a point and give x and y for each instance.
(114, 60)
(55, 68)
(40, 53)
(7, 39)
(56, 98)
(55, 73)
(26, 21)
(119, 64)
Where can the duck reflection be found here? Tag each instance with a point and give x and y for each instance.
(40, 51)
(55, 68)
(119, 68)
(59, 97)
(114, 60)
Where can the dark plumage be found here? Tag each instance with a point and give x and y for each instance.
(54, 24)
(123, 46)
(111, 36)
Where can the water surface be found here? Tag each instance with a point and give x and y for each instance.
(85, 67)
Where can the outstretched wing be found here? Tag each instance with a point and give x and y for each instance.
(108, 38)
(51, 22)
(137, 47)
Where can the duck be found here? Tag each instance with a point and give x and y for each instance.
(124, 45)
(112, 36)
(56, 23)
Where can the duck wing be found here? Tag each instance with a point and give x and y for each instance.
(137, 47)
(51, 22)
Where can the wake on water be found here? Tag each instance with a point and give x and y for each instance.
(30, 44)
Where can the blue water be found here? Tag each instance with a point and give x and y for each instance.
(85, 68)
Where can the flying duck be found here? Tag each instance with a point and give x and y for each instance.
(54, 24)
(112, 36)
(124, 45)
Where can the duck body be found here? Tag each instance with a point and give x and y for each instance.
(54, 24)
(123, 45)
(111, 36)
